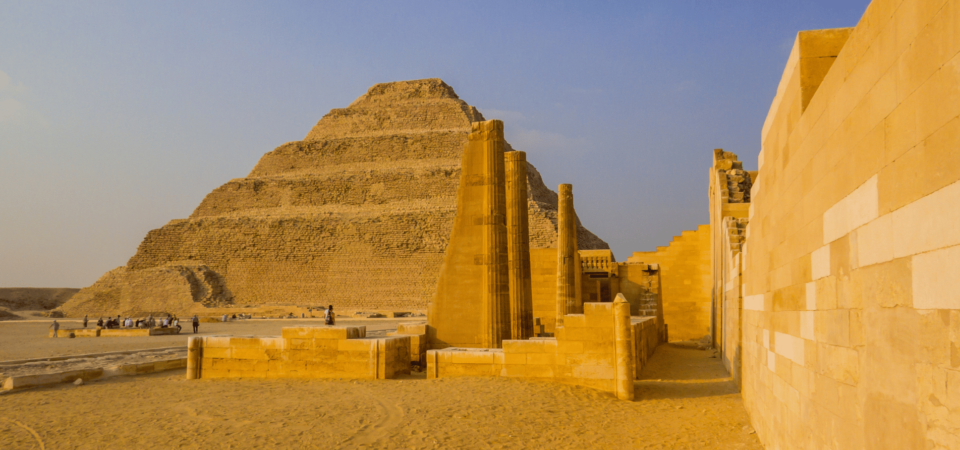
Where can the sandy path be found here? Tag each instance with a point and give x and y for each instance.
(28, 339)
(684, 401)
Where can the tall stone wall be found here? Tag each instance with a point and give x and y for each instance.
(850, 268)
(358, 215)
(684, 282)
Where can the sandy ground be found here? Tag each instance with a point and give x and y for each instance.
(685, 401)
(27, 339)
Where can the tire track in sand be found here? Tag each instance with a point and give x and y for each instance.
(29, 430)
(391, 415)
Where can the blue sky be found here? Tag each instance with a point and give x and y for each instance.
(116, 117)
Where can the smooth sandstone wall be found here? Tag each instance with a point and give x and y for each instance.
(685, 280)
(850, 270)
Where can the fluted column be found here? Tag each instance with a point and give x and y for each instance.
(496, 296)
(626, 361)
(567, 254)
(518, 246)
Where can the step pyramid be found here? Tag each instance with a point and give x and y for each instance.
(358, 214)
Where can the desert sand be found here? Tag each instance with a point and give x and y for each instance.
(685, 400)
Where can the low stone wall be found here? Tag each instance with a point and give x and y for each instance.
(301, 352)
(25, 381)
(114, 332)
(588, 350)
(646, 338)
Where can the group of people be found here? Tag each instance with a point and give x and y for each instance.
(170, 321)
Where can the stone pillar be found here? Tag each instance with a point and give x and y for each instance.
(496, 294)
(626, 362)
(599, 290)
(194, 354)
(567, 270)
(472, 305)
(518, 246)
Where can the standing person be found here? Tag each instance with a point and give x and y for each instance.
(329, 317)
(84, 321)
(196, 324)
(56, 327)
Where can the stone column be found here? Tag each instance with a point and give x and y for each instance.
(518, 246)
(496, 295)
(626, 362)
(567, 270)
(194, 354)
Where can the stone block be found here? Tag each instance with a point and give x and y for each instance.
(541, 358)
(839, 363)
(216, 342)
(593, 360)
(339, 332)
(326, 344)
(595, 372)
(596, 347)
(245, 343)
(356, 345)
(514, 358)
(301, 344)
(472, 357)
(936, 284)
(470, 370)
(574, 320)
(569, 347)
(297, 332)
(272, 343)
(930, 223)
(412, 328)
(531, 346)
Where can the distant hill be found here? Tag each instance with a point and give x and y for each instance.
(34, 299)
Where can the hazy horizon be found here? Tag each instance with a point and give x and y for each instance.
(116, 118)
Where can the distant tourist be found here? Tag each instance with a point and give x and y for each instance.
(165, 322)
(56, 327)
(329, 317)
(176, 324)
(84, 321)
(100, 322)
(224, 318)
(196, 324)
